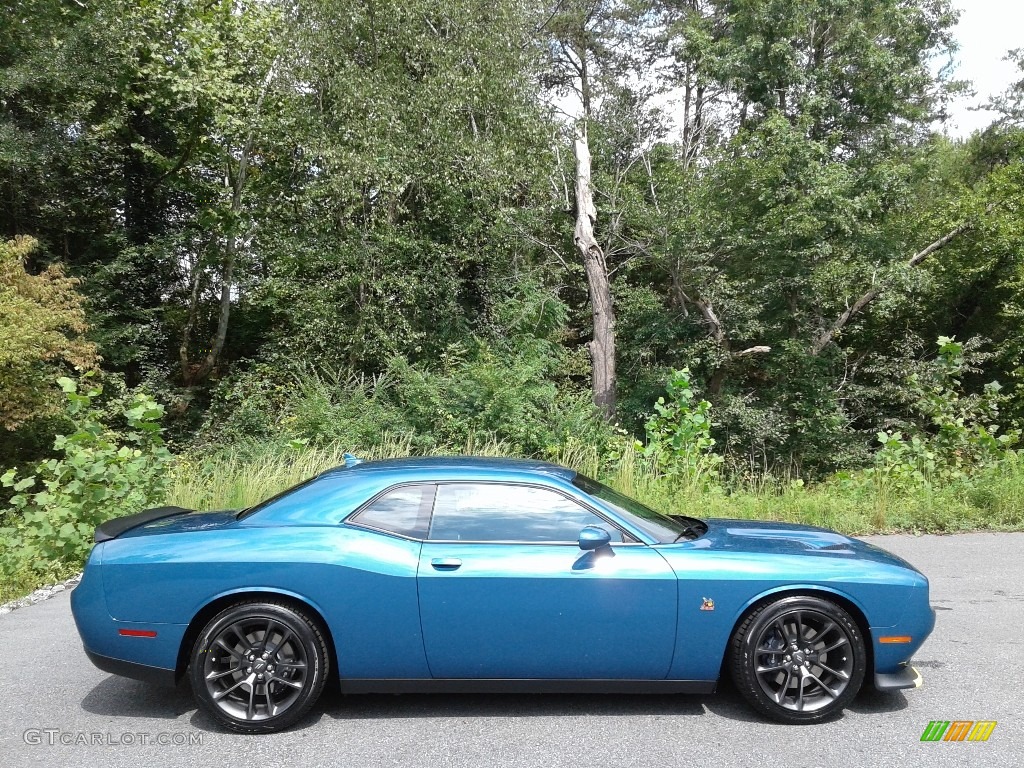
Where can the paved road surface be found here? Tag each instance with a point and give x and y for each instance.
(973, 667)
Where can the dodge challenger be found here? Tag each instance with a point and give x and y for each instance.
(480, 574)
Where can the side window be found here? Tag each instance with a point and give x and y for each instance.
(494, 512)
(404, 510)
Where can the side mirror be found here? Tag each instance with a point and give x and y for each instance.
(593, 537)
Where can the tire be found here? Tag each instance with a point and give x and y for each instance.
(798, 659)
(258, 667)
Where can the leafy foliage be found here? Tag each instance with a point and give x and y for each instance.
(103, 472)
(679, 432)
(473, 398)
(958, 433)
(42, 322)
(320, 223)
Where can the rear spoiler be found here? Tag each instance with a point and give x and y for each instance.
(114, 528)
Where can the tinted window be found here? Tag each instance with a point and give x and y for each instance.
(494, 512)
(404, 510)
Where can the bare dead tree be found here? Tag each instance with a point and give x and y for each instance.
(602, 345)
(572, 69)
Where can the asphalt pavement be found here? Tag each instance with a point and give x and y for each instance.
(56, 709)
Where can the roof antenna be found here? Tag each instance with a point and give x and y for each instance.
(351, 461)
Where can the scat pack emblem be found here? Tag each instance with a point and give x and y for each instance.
(707, 604)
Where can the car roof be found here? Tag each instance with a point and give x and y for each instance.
(475, 465)
(317, 501)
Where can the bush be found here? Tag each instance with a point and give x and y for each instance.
(679, 434)
(475, 395)
(104, 473)
(42, 323)
(957, 437)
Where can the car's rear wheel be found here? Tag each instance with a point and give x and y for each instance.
(258, 667)
(798, 659)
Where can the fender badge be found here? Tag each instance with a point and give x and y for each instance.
(708, 604)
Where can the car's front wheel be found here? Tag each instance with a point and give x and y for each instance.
(798, 659)
(258, 667)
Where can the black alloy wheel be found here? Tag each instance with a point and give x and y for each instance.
(798, 659)
(258, 667)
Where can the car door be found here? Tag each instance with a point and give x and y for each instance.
(506, 592)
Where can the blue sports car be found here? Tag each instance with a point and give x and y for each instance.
(474, 574)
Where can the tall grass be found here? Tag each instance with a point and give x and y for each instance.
(238, 478)
(993, 501)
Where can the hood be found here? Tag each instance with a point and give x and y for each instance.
(756, 536)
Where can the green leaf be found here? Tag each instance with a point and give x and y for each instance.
(26, 482)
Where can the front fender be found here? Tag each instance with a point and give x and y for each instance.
(716, 590)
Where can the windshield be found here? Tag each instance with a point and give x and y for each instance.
(662, 528)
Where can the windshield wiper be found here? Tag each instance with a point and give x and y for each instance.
(693, 529)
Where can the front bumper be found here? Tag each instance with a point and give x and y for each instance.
(892, 659)
(908, 677)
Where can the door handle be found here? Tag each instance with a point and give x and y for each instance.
(446, 563)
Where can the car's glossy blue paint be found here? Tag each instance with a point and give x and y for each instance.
(547, 611)
(399, 608)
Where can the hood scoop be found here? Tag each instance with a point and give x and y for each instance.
(804, 538)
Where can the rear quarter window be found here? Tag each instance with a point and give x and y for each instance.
(404, 511)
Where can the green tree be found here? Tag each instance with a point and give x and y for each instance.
(786, 207)
(421, 143)
(42, 327)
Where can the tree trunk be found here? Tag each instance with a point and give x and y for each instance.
(231, 248)
(186, 334)
(602, 346)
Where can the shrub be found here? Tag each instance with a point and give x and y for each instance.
(475, 395)
(103, 473)
(679, 433)
(42, 322)
(958, 436)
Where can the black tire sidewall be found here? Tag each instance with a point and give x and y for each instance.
(743, 657)
(307, 632)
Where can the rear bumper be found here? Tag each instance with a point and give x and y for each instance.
(908, 677)
(150, 658)
(144, 672)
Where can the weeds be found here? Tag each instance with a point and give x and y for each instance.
(993, 500)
